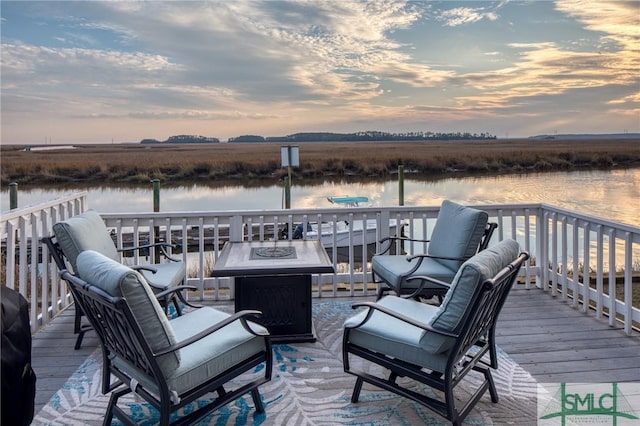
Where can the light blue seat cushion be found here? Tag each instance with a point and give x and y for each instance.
(85, 231)
(166, 275)
(208, 357)
(397, 339)
(456, 234)
(119, 280)
(391, 269)
(215, 353)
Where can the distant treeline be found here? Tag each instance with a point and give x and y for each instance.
(183, 139)
(369, 136)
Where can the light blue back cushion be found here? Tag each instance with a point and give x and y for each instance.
(85, 231)
(121, 281)
(457, 232)
(471, 274)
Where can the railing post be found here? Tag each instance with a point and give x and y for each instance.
(13, 195)
(541, 252)
(290, 158)
(156, 208)
(235, 229)
(401, 185)
(287, 192)
(156, 195)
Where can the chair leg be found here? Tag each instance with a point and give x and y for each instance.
(383, 290)
(257, 401)
(79, 339)
(164, 302)
(356, 390)
(165, 414)
(108, 417)
(77, 320)
(492, 386)
(78, 328)
(113, 409)
(221, 391)
(176, 304)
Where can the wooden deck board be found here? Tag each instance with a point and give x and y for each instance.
(53, 358)
(550, 339)
(555, 342)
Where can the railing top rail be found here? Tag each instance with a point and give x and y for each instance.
(305, 211)
(592, 219)
(16, 213)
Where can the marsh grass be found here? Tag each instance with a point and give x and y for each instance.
(134, 163)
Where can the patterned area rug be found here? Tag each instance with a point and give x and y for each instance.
(309, 387)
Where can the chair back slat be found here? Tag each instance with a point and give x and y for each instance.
(56, 252)
(486, 237)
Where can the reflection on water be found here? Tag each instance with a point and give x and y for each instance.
(611, 195)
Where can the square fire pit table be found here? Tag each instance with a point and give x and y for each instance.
(275, 278)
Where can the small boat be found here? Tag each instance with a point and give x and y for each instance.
(342, 234)
(348, 201)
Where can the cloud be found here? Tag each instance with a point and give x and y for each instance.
(229, 68)
(465, 15)
(47, 62)
(550, 70)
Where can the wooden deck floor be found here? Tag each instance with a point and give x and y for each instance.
(548, 338)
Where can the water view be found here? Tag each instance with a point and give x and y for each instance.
(611, 195)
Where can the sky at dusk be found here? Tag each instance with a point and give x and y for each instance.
(103, 72)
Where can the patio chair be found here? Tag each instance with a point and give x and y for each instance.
(436, 346)
(459, 233)
(87, 231)
(168, 363)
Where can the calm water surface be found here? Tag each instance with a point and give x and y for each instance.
(612, 195)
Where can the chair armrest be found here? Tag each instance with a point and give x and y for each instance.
(161, 246)
(165, 294)
(425, 279)
(147, 268)
(144, 268)
(372, 306)
(242, 316)
(423, 255)
(174, 290)
(390, 240)
(393, 239)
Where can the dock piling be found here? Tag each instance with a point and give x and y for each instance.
(13, 195)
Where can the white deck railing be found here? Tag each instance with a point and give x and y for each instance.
(25, 262)
(606, 252)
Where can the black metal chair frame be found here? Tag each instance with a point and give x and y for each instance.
(120, 335)
(164, 297)
(477, 332)
(421, 292)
